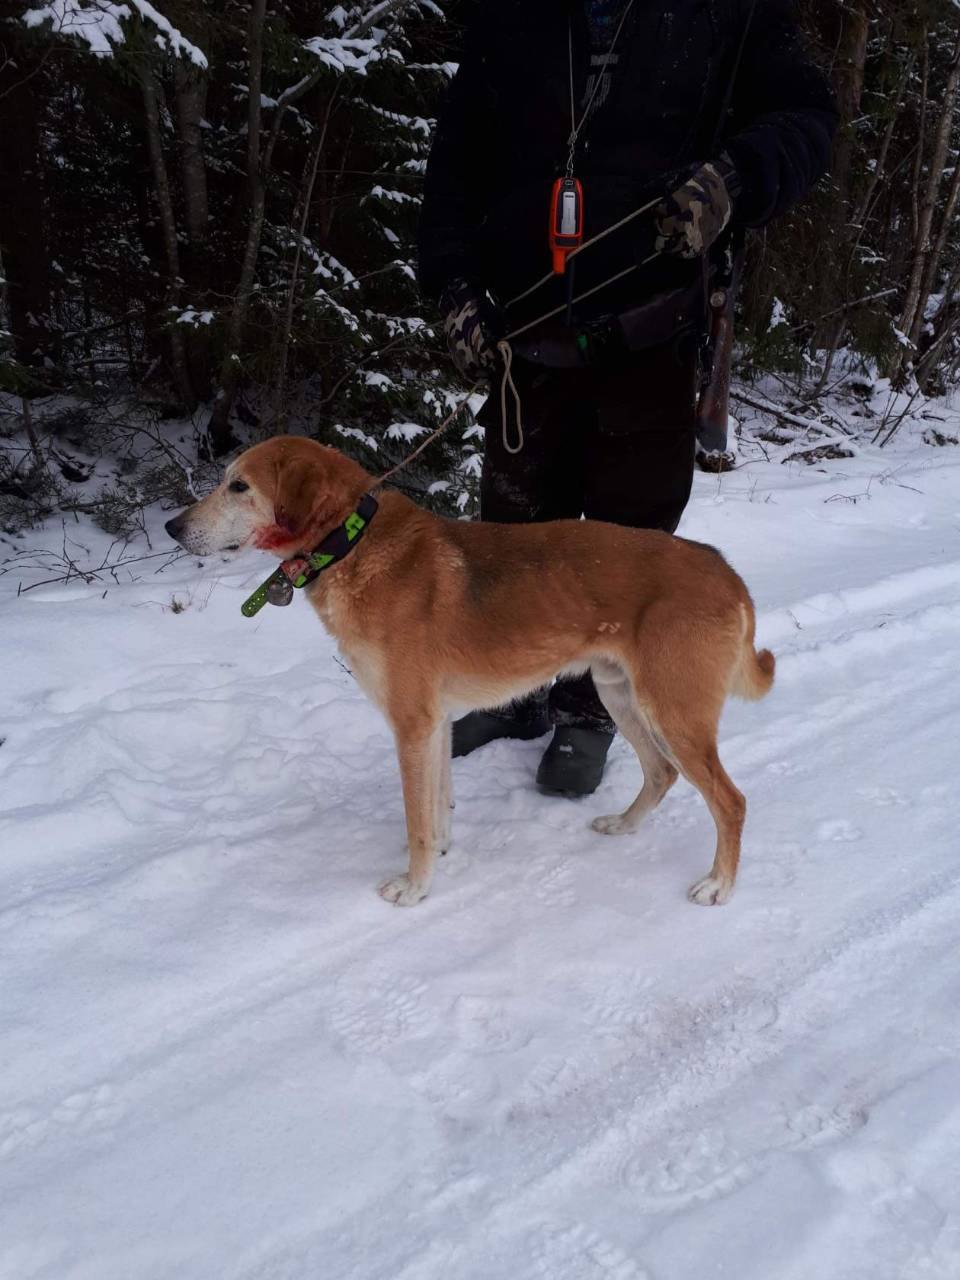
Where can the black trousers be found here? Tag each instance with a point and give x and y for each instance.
(615, 445)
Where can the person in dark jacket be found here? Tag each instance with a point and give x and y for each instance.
(709, 111)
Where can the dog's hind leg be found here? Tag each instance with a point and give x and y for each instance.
(691, 739)
(659, 774)
(420, 744)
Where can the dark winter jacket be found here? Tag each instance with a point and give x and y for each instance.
(501, 138)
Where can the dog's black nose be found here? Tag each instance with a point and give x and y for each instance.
(175, 526)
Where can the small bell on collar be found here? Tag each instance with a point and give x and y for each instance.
(279, 590)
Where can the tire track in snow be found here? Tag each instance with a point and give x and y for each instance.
(717, 1051)
(828, 607)
(821, 659)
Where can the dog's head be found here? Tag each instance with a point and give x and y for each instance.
(282, 496)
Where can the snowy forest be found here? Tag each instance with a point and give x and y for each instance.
(208, 216)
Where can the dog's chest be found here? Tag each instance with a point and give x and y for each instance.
(331, 610)
(367, 668)
(338, 615)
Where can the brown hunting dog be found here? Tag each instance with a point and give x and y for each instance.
(436, 617)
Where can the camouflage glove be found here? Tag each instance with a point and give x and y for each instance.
(692, 218)
(471, 325)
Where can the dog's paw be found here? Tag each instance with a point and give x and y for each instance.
(711, 891)
(613, 824)
(402, 891)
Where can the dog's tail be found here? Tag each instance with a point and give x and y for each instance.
(753, 675)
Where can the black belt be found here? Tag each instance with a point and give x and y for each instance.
(657, 321)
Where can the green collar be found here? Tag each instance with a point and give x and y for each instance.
(302, 570)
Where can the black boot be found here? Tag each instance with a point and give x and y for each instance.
(573, 763)
(524, 720)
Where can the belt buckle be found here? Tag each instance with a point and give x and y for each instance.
(597, 340)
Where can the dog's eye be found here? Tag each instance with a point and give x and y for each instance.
(238, 486)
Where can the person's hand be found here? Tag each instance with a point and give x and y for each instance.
(470, 323)
(691, 219)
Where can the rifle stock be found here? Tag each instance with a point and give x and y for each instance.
(713, 407)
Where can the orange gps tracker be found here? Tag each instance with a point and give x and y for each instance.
(566, 221)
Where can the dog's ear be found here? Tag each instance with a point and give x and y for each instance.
(293, 500)
(302, 502)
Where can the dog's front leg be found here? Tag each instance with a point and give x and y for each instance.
(445, 789)
(421, 771)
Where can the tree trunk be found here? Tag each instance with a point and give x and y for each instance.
(914, 303)
(942, 327)
(26, 262)
(219, 429)
(849, 70)
(191, 94)
(191, 97)
(921, 135)
(858, 218)
(879, 174)
(848, 78)
(935, 256)
(168, 225)
(302, 218)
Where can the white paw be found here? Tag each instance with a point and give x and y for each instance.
(711, 891)
(402, 891)
(613, 824)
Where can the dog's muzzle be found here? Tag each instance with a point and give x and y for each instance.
(175, 526)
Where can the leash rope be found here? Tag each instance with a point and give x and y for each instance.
(601, 235)
(548, 315)
(379, 483)
(506, 351)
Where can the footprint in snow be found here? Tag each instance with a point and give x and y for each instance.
(687, 1168)
(874, 1179)
(938, 791)
(815, 1125)
(777, 922)
(486, 1026)
(785, 768)
(839, 829)
(459, 1085)
(544, 1089)
(886, 797)
(622, 1008)
(552, 882)
(691, 1168)
(87, 1111)
(371, 1017)
(576, 1253)
(775, 866)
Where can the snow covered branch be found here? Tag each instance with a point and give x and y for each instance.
(100, 24)
(349, 52)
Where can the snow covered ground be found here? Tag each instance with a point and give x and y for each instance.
(223, 1056)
